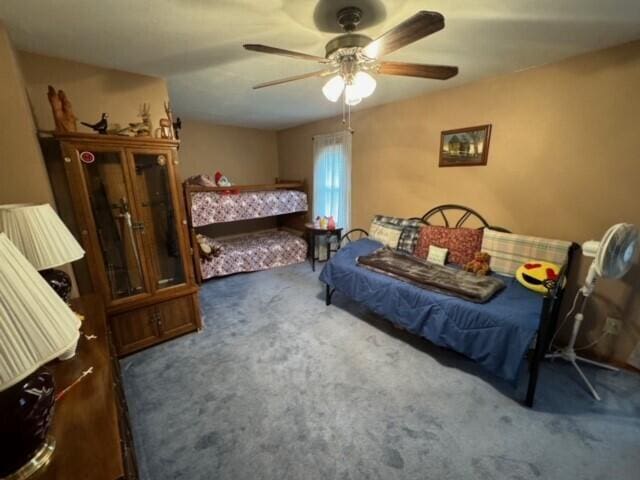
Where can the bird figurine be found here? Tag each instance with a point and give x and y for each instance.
(101, 126)
(177, 126)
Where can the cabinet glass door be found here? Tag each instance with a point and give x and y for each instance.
(115, 226)
(152, 187)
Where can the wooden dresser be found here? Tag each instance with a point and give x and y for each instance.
(90, 422)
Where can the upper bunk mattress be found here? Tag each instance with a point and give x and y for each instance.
(495, 334)
(213, 207)
(254, 251)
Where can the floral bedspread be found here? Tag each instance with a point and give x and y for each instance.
(254, 251)
(212, 207)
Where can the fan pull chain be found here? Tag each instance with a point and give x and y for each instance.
(344, 120)
(346, 115)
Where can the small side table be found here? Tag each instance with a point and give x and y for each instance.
(313, 233)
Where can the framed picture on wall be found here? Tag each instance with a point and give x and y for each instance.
(465, 146)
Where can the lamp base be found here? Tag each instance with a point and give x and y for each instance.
(26, 412)
(59, 281)
(40, 459)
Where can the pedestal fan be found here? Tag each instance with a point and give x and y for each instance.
(612, 258)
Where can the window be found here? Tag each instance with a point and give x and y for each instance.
(332, 177)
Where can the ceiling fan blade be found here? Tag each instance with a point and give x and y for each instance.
(320, 73)
(287, 53)
(439, 72)
(412, 29)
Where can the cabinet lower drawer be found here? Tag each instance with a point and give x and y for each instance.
(143, 327)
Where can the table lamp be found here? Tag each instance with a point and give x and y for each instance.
(36, 326)
(44, 239)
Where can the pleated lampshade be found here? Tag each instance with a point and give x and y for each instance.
(38, 232)
(36, 326)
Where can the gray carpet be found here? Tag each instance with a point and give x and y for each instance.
(280, 387)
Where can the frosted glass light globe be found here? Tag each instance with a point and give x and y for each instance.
(351, 96)
(365, 84)
(333, 88)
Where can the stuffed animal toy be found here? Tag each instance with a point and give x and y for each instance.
(480, 264)
(221, 180)
(208, 249)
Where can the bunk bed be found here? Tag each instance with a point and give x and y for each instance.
(260, 250)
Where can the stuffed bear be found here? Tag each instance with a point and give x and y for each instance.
(208, 249)
(480, 264)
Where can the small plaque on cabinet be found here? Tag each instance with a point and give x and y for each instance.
(87, 157)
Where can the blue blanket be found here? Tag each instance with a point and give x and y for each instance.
(495, 334)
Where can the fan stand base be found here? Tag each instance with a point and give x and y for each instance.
(569, 355)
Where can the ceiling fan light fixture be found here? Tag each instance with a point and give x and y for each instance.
(333, 88)
(351, 95)
(364, 84)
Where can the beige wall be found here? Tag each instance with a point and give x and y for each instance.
(245, 155)
(92, 90)
(23, 177)
(561, 160)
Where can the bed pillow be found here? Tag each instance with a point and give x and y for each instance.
(462, 243)
(437, 255)
(408, 238)
(509, 250)
(409, 234)
(386, 234)
(535, 274)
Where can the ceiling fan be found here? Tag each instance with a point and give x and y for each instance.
(352, 57)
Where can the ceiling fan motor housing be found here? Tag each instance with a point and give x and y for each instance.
(348, 43)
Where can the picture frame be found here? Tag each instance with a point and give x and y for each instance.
(465, 147)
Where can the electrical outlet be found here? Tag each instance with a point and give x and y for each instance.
(612, 326)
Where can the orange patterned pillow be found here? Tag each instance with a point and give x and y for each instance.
(462, 243)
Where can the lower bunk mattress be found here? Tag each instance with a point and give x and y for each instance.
(496, 334)
(253, 252)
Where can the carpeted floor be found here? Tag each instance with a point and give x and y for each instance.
(280, 387)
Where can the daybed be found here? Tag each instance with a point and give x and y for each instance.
(497, 334)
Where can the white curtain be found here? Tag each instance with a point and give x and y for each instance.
(332, 177)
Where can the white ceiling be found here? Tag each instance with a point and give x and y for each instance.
(197, 45)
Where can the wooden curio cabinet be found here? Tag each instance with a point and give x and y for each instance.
(120, 197)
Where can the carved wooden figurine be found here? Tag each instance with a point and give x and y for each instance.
(164, 131)
(101, 126)
(169, 112)
(145, 114)
(139, 129)
(63, 116)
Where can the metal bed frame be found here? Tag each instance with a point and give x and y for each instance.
(551, 302)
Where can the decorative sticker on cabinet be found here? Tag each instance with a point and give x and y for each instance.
(87, 157)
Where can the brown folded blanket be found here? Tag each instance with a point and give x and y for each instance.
(429, 276)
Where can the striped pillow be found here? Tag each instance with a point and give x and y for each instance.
(410, 230)
(509, 250)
